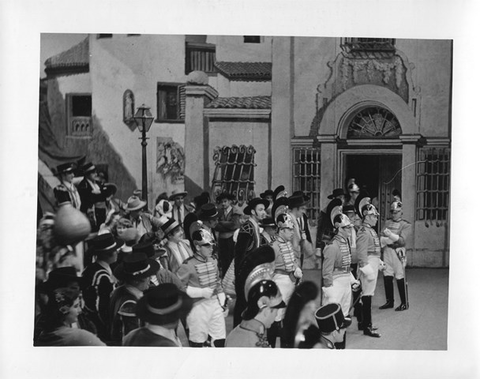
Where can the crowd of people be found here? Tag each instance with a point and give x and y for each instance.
(133, 276)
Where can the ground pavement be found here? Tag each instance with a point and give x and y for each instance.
(422, 327)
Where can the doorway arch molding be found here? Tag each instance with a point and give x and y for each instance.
(341, 110)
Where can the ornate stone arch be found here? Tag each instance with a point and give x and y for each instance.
(340, 111)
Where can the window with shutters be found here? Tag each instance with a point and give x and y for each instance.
(170, 102)
(199, 55)
(234, 171)
(433, 184)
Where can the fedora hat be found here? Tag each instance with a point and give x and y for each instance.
(267, 222)
(330, 318)
(105, 243)
(253, 203)
(134, 203)
(301, 193)
(225, 195)
(136, 266)
(176, 193)
(65, 168)
(109, 189)
(336, 192)
(296, 201)
(207, 211)
(163, 304)
(144, 247)
(61, 277)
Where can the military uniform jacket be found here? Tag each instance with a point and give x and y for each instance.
(368, 243)
(99, 286)
(122, 313)
(401, 228)
(88, 195)
(64, 192)
(324, 230)
(250, 333)
(285, 260)
(337, 259)
(198, 271)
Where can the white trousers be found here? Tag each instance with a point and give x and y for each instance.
(340, 292)
(286, 286)
(368, 285)
(206, 318)
(394, 265)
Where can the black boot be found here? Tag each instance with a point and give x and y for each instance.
(368, 330)
(273, 332)
(219, 343)
(196, 344)
(341, 345)
(388, 280)
(401, 290)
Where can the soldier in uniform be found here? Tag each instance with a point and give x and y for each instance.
(248, 240)
(368, 252)
(201, 277)
(134, 272)
(287, 264)
(91, 194)
(66, 190)
(394, 238)
(332, 325)
(325, 228)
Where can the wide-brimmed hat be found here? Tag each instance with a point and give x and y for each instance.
(134, 203)
(109, 189)
(177, 192)
(201, 199)
(268, 192)
(168, 224)
(65, 168)
(105, 243)
(61, 277)
(144, 247)
(163, 304)
(136, 266)
(296, 201)
(301, 193)
(207, 211)
(336, 192)
(253, 203)
(330, 318)
(88, 167)
(225, 195)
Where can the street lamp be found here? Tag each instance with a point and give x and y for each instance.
(143, 118)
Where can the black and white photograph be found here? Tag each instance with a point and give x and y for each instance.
(284, 187)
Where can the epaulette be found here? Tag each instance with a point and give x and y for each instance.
(127, 308)
(61, 187)
(247, 228)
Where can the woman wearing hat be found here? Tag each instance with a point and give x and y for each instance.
(61, 320)
(66, 190)
(201, 277)
(177, 248)
(159, 309)
(99, 281)
(134, 272)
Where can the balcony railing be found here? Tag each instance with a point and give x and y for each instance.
(353, 45)
(80, 126)
(200, 57)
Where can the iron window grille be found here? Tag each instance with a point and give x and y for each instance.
(234, 171)
(433, 184)
(306, 177)
(170, 102)
(79, 115)
(374, 122)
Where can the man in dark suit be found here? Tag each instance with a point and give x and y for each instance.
(90, 193)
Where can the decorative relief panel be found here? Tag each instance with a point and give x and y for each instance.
(170, 160)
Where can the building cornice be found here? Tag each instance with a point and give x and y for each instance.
(236, 113)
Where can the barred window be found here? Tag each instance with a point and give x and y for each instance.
(170, 102)
(234, 171)
(306, 177)
(199, 55)
(433, 183)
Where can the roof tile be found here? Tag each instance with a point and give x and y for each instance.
(251, 102)
(248, 71)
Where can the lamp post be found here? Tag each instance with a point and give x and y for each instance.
(143, 118)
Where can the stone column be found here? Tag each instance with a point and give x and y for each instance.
(197, 149)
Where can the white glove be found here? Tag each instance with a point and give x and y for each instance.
(298, 273)
(387, 232)
(318, 252)
(384, 241)
(199, 292)
(221, 298)
(381, 265)
(394, 237)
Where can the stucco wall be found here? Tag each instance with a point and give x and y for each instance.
(233, 49)
(243, 133)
